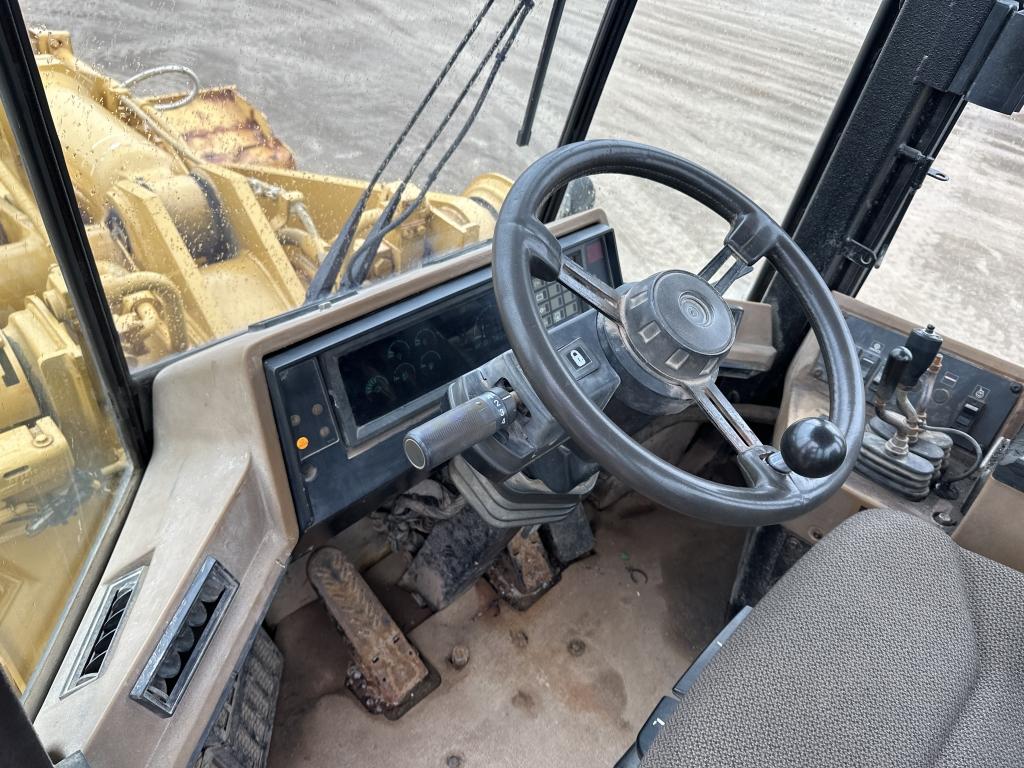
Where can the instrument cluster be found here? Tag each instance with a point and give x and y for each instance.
(344, 399)
(409, 363)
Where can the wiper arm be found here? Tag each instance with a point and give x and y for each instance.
(327, 272)
(541, 73)
(362, 261)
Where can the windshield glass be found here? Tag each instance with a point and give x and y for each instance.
(65, 475)
(745, 90)
(954, 259)
(216, 163)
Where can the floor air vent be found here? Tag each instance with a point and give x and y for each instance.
(182, 645)
(106, 624)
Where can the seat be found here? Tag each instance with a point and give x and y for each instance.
(886, 645)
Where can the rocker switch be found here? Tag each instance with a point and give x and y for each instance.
(969, 413)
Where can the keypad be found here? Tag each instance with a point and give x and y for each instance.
(555, 302)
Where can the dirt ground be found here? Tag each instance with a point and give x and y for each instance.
(742, 88)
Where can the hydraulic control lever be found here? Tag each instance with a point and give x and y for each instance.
(897, 366)
(447, 435)
(886, 455)
(901, 450)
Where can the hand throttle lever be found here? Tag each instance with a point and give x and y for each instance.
(445, 436)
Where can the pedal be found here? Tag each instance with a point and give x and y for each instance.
(523, 572)
(387, 673)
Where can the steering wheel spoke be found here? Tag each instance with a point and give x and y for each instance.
(727, 420)
(751, 237)
(591, 289)
(738, 269)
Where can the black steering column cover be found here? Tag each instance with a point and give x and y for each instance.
(521, 242)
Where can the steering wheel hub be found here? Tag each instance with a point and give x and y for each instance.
(678, 325)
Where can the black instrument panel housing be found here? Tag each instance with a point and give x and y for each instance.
(341, 467)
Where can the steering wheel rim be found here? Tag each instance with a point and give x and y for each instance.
(773, 496)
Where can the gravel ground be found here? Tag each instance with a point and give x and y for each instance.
(742, 88)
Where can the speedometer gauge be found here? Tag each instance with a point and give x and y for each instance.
(404, 375)
(487, 331)
(377, 389)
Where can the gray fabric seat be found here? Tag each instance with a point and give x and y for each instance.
(886, 645)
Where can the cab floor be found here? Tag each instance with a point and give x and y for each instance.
(644, 605)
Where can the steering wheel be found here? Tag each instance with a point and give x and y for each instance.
(668, 333)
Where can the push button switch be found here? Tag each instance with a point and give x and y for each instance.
(580, 360)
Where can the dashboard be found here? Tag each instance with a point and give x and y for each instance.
(343, 400)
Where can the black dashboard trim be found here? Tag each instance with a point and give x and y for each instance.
(373, 450)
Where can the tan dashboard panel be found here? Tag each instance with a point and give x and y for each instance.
(804, 396)
(994, 525)
(215, 485)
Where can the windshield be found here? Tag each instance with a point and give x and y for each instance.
(229, 172)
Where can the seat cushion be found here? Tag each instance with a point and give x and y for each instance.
(885, 645)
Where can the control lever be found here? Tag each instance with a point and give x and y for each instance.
(924, 344)
(893, 452)
(447, 435)
(896, 367)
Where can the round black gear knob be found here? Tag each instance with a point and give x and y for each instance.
(813, 447)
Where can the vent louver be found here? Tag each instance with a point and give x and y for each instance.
(106, 624)
(181, 647)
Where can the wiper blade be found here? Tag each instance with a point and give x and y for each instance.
(327, 272)
(541, 73)
(362, 261)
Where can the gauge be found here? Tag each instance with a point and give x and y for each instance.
(377, 389)
(404, 375)
(398, 351)
(425, 339)
(430, 363)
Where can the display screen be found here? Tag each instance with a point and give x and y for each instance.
(403, 366)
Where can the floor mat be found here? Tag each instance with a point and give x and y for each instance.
(567, 683)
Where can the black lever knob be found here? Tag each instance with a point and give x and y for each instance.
(895, 365)
(924, 344)
(813, 447)
(445, 436)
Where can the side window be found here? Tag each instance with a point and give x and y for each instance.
(955, 259)
(63, 468)
(744, 89)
